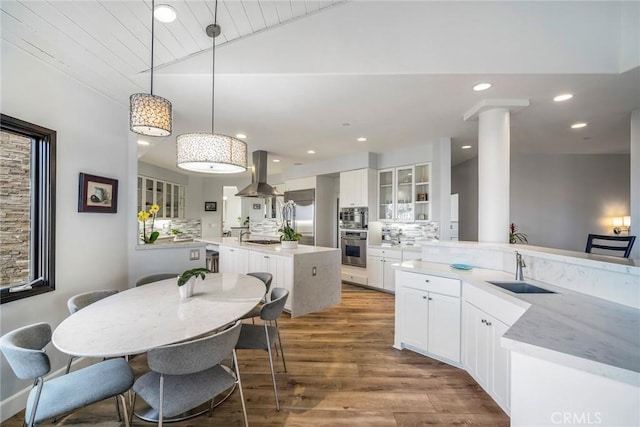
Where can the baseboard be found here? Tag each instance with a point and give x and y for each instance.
(17, 402)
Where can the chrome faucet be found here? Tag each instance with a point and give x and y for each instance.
(242, 233)
(519, 266)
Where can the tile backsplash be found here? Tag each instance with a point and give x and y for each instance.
(189, 228)
(409, 232)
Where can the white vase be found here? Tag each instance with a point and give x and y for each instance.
(186, 290)
(289, 244)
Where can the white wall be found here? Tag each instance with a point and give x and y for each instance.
(91, 249)
(555, 199)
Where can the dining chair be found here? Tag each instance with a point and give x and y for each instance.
(266, 278)
(155, 278)
(610, 243)
(256, 337)
(24, 350)
(82, 300)
(185, 375)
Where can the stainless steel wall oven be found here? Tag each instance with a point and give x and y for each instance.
(354, 248)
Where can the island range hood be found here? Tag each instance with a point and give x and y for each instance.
(259, 186)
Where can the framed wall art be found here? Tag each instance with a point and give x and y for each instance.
(97, 194)
(210, 206)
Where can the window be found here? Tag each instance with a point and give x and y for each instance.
(27, 209)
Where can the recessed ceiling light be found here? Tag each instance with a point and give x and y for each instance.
(361, 139)
(165, 13)
(563, 97)
(311, 152)
(578, 125)
(276, 160)
(143, 142)
(481, 86)
(241, 136)
(465, 147)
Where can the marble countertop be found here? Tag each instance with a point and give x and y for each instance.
(170, 244)
(145, 317)
(275, 249)
(610, 263)
(401, 247)
(568, 328)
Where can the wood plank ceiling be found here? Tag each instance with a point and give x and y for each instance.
(107, 44)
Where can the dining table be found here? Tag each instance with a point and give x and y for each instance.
(139, 319)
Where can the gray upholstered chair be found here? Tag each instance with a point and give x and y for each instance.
(82, 300)
(155, 278)
(183, 376)
(263, 337)
(24, 350)
(266, 278)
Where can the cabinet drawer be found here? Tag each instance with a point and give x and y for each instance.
(429, 283)
(386, 253)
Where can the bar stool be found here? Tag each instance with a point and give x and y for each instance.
(212, 260)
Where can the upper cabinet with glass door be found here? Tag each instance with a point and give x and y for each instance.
(167, 195)
(385, 195)
(422, 176)
(403, 193)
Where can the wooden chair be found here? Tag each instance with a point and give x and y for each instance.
(599, 241)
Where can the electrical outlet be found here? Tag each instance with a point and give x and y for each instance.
(194, 255)
(314, 271)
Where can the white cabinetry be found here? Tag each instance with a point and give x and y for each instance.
(403, 193)
(280, 267)
(486, 318)
(428, 315)
(168, 196)
(233, 260)
(380, 274)
(484, 357)
(357, 189)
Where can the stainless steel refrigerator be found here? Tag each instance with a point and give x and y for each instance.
(303, 218)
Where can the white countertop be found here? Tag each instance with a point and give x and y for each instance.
(568, 328)
(149, 316)
(272, 249)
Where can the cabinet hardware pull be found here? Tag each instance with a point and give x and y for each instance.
(483, 321)
(430, 299)
(426, 280)
(488, 323)
(424, 297)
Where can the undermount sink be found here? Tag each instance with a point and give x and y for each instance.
(519, 287)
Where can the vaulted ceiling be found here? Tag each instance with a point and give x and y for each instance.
(315, 75)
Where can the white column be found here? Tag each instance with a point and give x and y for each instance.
(493, 175)
(634, 198)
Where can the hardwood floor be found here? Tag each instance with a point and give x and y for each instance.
(342, 371)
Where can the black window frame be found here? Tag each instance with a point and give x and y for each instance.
(43, 212)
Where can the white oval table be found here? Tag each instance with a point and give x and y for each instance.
(149, 316)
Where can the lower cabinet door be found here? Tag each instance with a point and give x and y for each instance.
(501, 366)
(375, 271)
(415, 317)
(444, 326)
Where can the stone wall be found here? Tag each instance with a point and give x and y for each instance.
(15, 201)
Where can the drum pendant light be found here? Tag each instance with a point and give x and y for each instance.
(150, 114)
(211, 152)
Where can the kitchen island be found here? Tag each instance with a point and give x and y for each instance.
(573, 354)
(311, 274)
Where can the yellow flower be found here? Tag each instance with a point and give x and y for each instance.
(143, 216)
(154, 209)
